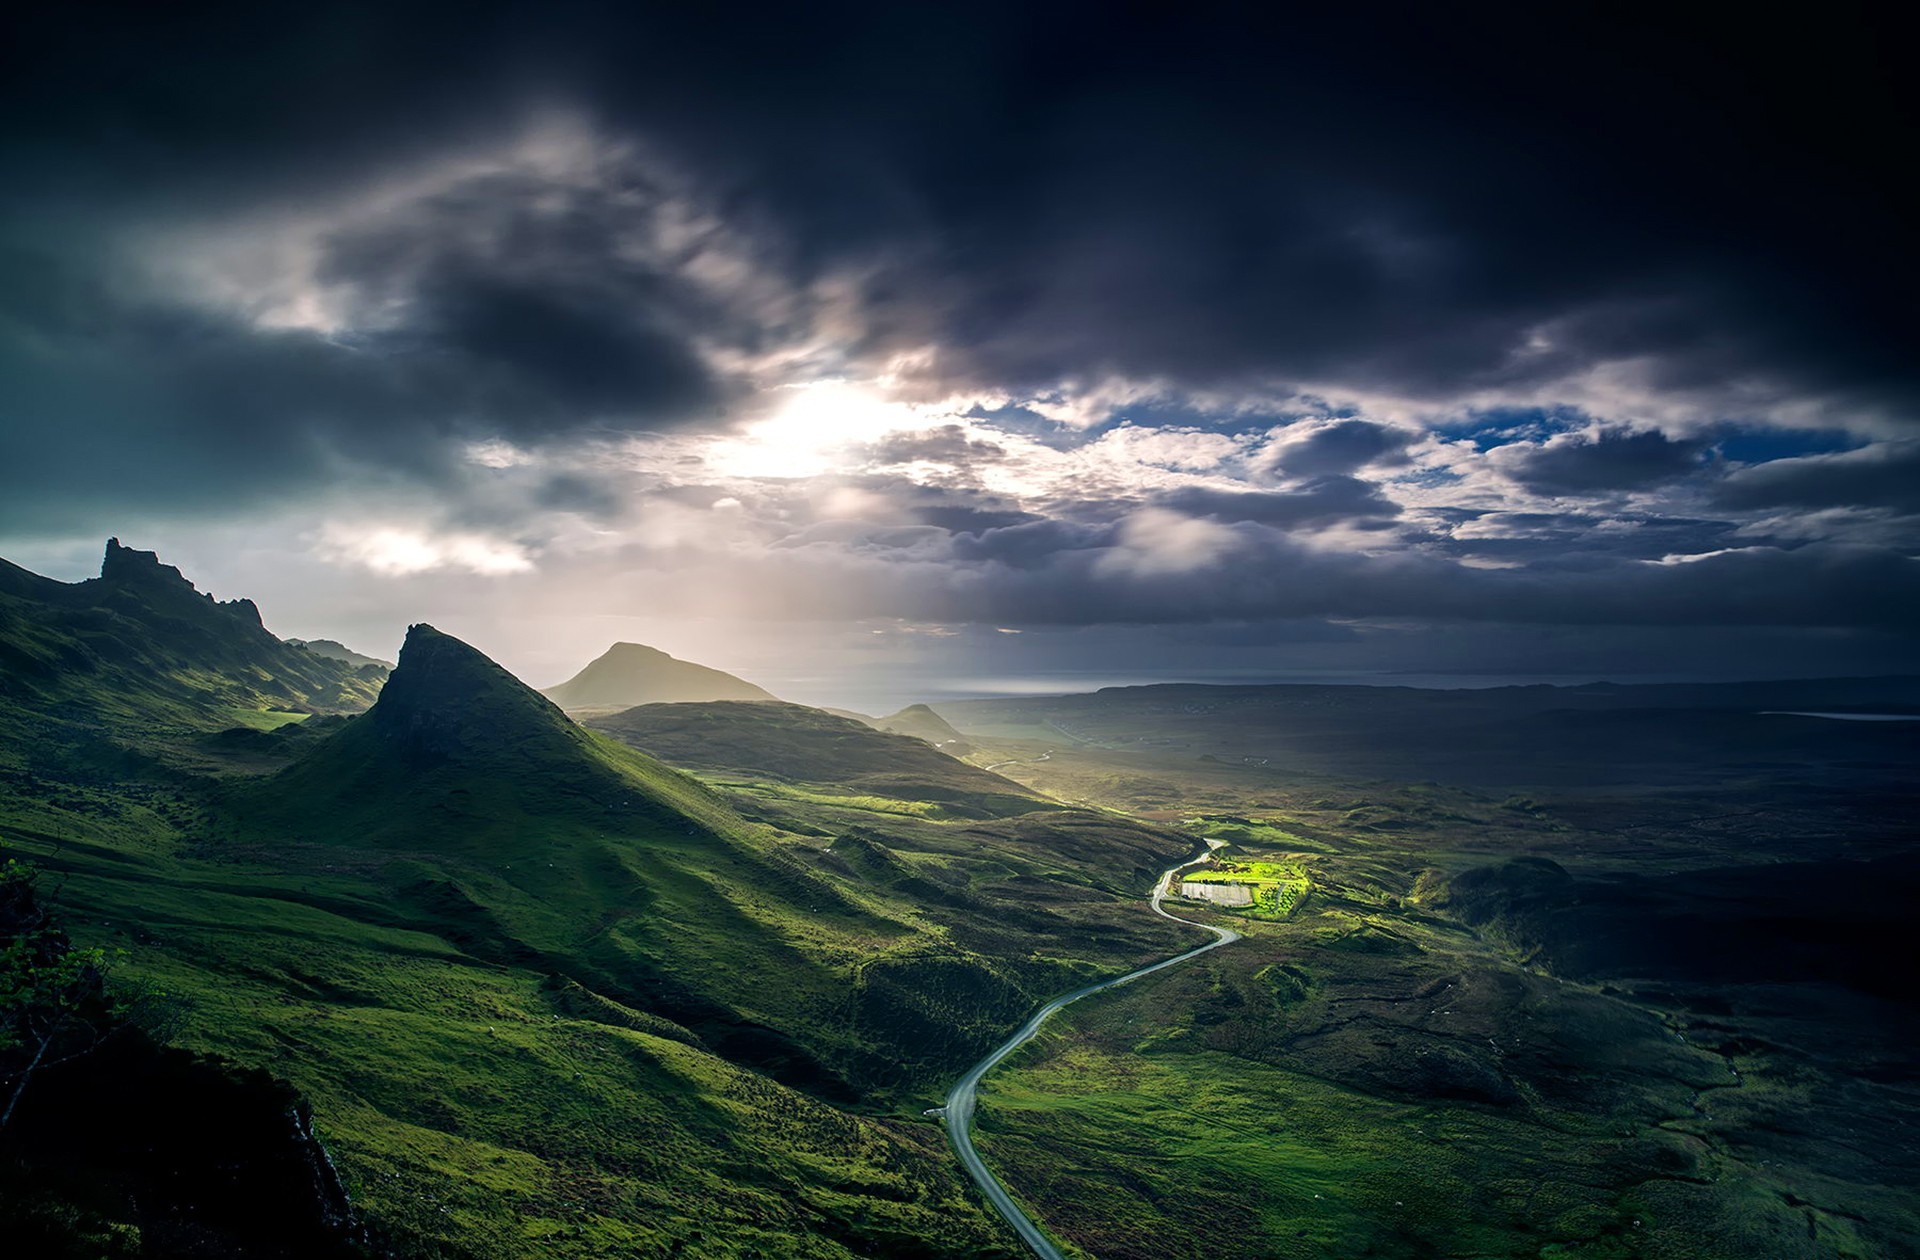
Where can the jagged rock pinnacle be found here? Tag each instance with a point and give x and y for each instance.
(124, 564)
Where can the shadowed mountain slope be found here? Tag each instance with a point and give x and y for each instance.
(803, 745)
(549, 998)
(483, 811)
(632, 673)
(552, 998)
(139, 646)
(335, 650)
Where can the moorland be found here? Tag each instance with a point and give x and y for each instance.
(412, 961)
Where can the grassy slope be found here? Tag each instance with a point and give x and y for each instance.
(138, 655)
(922, 722)
(1307, 1099)
(475, 1106)
(542, 989)
(773, 743)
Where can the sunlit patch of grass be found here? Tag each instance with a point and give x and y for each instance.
(263, 719)
(931, 810)
(1276, 888)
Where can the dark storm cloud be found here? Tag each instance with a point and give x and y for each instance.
(168, 410)
(1319, 502)
(572, 493)
(1600, 461)
(1210, 197)
(519, 307)
(556, 282)
(1648, 218)
(1341, 447)
(1206, 193)
(1885, 475)
(582, 354)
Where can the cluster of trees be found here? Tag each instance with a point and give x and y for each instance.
(1279, 899)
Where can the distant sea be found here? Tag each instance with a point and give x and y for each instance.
(883, 695)
(1845, 717)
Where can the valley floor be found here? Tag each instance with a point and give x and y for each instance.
(1405, 1069)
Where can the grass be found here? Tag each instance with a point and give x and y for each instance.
(263, 719)
(1277, 888)
(1260, 1124)
(933, 810)
(1376, 1076)
(549, 997)
(464, 1105)
(1230, 829)
(824, 758)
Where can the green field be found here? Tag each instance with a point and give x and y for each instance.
(1277, 888)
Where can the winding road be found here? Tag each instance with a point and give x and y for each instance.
(1020, 761)
(957, 1114)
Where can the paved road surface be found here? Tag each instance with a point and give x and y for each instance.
(958, 1112)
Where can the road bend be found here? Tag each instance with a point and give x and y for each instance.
(957, 1114)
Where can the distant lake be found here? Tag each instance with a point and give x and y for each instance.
(1845, 717)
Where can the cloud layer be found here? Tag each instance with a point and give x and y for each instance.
(1012, 315)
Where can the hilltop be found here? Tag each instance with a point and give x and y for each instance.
(454, 736)
(335, 650)
(921, 722)
(628, 674)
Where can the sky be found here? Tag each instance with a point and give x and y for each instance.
(880, 352)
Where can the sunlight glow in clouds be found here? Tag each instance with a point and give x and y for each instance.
(396, 551)
(811, 432)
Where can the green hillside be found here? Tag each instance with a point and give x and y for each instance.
(336, 650)
(139, 653)
(548, 997)
(481, 810)
(842, 757)
(921, 722)
(486, 813)
(632, 673)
